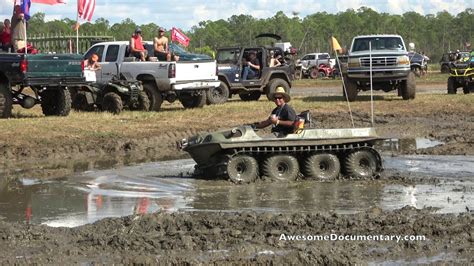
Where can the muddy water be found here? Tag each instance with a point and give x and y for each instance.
(167, 186)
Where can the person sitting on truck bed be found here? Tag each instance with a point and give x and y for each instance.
(282, 117)
(161, 47)
(136, 45)
(251, 66)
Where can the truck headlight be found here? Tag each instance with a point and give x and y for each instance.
(353, 62)
(404, 60)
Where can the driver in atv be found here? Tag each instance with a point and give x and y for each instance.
(282, 117)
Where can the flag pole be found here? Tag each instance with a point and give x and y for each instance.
(335, 47)
(77, 28)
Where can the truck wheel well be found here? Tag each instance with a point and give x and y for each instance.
(279, 76)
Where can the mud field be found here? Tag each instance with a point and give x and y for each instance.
(117, 201)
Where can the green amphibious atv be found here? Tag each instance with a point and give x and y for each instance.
(461, 76)
(241, 155)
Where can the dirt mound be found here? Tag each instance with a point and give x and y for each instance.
(248, 238)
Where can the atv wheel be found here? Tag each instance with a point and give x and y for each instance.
(250, 96)
(143, 103)
(452, 85)
(193, 101)
(417, 71)
(218, 95)
(313, 73)
(112, 103)
(56, 101)
(351, 89)
(154, 96)
(360, 164)
(242, 169)
(80, 103)
(6, 101)
(281, 167)
(322, 166)
(275, 83)
(466, 89)
(409, 87)
(445, 69)
(322, 74)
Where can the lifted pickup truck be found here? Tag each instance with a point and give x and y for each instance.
(47, 75)
(187, 81)
(390, 66)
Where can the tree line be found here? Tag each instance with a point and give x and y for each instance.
(431, 34)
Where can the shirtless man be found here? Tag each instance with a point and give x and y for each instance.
(161, 46)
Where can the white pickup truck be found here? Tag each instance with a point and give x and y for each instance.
(186, 81)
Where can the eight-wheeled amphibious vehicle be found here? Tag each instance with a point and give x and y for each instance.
(241, 155)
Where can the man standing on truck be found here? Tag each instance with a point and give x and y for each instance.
(161, 46)
(5, 35)
(136, 45)
(283, 116)
(18, 32)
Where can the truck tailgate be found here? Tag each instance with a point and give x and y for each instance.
(195, 70)
(54, 65)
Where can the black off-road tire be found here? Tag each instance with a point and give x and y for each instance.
(56, 101)
(417, 71)
(361, 164)
(112, 103)
(314, 73)
(325, 166)
(154, 96)
(322, 74)
(281, 167)
(250, 96)
(275, 83)
(351, 88)
(143, 103)
(452, 88)
(6, 101)
(242, 169)
(218, 95)
(193, 101)
(409, 87)
(79, 102)
(445, 69)
(466, 89)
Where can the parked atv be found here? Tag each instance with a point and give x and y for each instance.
(461, 76)
(313, 72)
(112, 96)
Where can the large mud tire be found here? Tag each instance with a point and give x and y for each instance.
(250, 96)
(218, 95)
(242, 169)
(56, 101)
(281, 167)
(325, 166)
(275, 83)
(112, 103)
(361, 164)
(409, 87)
(193, 101)
(143, 103)
(6, 101)
(452, 85)
(466, 89)
(79, 102)
(154, 96)
(351, 88)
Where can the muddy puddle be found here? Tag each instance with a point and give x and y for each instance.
(167, 186)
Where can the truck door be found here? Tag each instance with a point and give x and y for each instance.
(108, 63)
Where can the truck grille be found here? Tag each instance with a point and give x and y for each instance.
(378, 61)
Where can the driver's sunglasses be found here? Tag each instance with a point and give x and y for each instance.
(278, 98)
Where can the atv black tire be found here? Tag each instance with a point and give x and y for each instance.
(218, 95)
(275, 83)
(281, 167)
(250, 96)
(56, 101)
(313, 73)
(325, 166)
(445, 69)
(452, 88)
(242, 169)
(80, 103)
(361, 164)
(193, 101)
(466, 89)
(6, 101)
(409, 87)
(112, 103)
(154, 96)
(143, 103)
(351, 89)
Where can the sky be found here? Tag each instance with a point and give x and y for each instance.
(186, 13)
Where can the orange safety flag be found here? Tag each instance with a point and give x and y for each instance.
(335, 44)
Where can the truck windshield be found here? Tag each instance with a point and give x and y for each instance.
(378, 43)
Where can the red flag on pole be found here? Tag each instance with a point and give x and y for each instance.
(177, 35)
(49, 2)
(85, 9)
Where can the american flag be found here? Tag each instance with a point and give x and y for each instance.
(85, 9)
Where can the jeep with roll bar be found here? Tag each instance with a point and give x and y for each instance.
(230, 67)
(387, 58)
